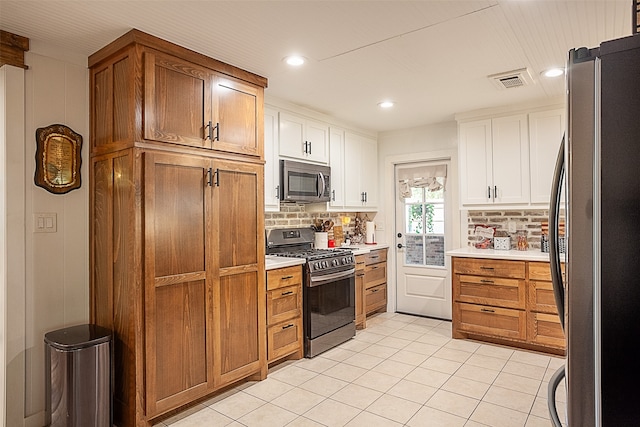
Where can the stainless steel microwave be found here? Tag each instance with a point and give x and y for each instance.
(304, 182)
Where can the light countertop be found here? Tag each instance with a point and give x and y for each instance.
(471, 252)
(272, 262)
(363, 248)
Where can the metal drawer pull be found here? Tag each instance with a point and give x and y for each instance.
(486, 310)
(486, 268)
(375, 290)
(374, 257)
(486, 281)
(287, 293)
(288, 326)
(286, 277)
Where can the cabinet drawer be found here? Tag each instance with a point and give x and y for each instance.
(541, 271)
(545, 329)
(283, 304)
(284, 338)
(487, 320)
(489, 267)
(360, 262)
(376, 298)
(541, 297)
(496, 291)
(375, 275)
(373, 257)
(283, 277)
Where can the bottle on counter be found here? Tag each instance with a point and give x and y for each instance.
(523, 245)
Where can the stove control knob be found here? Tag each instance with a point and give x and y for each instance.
(335, 263)
(325, 264)
(316, 266)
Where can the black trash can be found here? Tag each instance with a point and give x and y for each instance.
(79, 379)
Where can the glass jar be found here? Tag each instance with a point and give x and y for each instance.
(523, 245)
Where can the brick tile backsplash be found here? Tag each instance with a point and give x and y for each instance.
(529, 220)
(294, 215)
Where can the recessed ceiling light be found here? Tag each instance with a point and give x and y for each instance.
(553, 72)
(294, 60)
(385, 104)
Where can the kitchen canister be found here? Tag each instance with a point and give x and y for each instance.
(321, 240)
(502, 243)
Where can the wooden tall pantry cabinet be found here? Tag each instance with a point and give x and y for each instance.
(177, 223)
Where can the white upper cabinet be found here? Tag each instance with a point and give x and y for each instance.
(494, 161)
(510, 149)
(303, 139)
(336, 162)
(271, 165)
(509, 160)
(360, 176)
(476, 162)
(545, 134)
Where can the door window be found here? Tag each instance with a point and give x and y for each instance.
(425, 227)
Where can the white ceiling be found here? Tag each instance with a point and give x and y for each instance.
(431, 57)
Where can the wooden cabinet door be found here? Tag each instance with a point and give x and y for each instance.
(177, 100)
(237, 116)
(177, 305)
(239, 296)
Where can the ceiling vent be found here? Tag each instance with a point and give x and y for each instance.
(511, 79)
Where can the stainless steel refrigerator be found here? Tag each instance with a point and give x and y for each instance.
(599, 303)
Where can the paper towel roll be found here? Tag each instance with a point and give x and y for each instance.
(370, 232)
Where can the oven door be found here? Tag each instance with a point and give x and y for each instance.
(329, 302)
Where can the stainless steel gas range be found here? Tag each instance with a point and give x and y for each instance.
(328, 291)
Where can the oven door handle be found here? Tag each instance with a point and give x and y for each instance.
(326, 278)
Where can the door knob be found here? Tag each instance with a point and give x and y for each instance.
(399, 234)
(400, 246)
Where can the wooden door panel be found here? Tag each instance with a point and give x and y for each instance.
(179, 219)
(177, 307)
(236, 108)
(238, 199)
(177, 100)
(181, 351)
(239, 321)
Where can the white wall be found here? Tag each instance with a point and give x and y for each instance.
(13, 307)
(53, 284)
(415, 142)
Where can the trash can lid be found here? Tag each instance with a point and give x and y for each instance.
(77, 337)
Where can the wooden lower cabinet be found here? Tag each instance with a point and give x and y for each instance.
(509, 302)
(361, 314)
(490, 320)
(178, 275)
(545, 329)
(375, 281)
(284, 314)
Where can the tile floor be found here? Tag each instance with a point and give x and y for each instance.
(400, 371)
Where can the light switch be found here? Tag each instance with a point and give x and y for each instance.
(512, 226)
(45, 223)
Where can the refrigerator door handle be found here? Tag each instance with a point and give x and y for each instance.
(554, 247)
